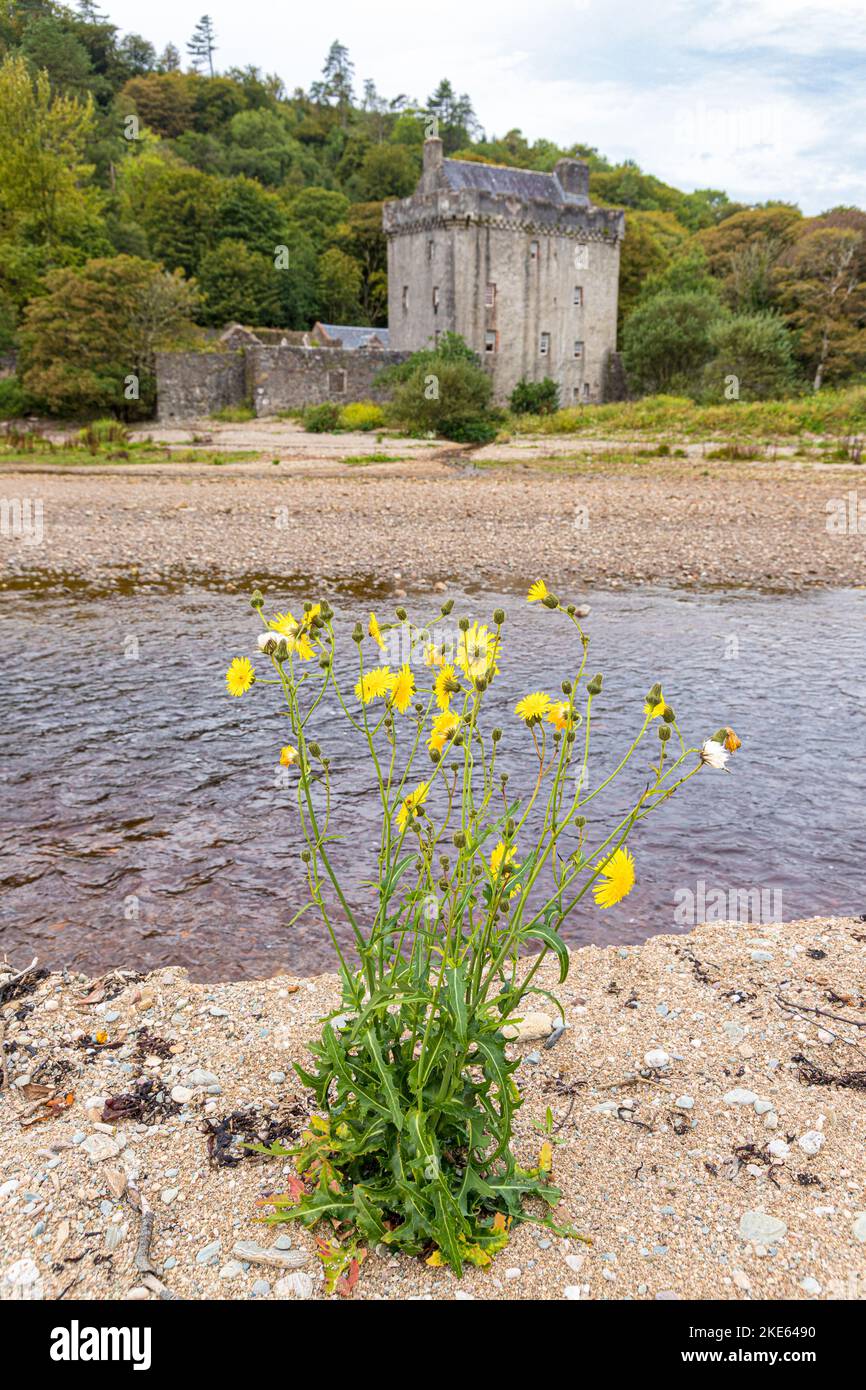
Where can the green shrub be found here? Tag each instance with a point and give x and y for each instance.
(757, 350)
(13, 402)
(474, 431)
(362, 415)
(444, 396)
(535, 397)
(667, 341)
(322, 419)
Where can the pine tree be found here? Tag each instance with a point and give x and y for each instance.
(202, 45)
(336, 82)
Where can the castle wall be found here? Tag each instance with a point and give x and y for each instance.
(194, 384)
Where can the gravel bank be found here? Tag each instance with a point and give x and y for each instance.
(705, 1149)
(414, 523)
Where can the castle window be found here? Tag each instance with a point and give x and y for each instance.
(405, 299)
(544, 344)
(336, 383)
(533, 250)
(490, 343)
(578, 296)
(435, 299)
(586, 390)
(578, 348)
(430, 246)
(490, 295)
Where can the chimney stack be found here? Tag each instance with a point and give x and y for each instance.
(433, 159)
(573, 176)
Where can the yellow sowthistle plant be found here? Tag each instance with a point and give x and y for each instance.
(415, 1089)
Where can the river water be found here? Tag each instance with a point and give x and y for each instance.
(144, 822)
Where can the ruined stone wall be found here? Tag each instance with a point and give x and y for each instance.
(287, 378)
(194, 384)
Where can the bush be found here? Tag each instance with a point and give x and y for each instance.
(322, 419)
(757, 350)
(13, 402)
(474, 431)
(667, 341)
(444, 396)
(362, 415)
(535, 397)
(415, 1092)
(233, 414)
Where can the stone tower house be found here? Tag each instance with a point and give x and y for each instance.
(519, 263)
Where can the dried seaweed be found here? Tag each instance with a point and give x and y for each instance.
(150, 1045)
(22, 984)
(226, 1137)
(810, 1074)
(147, 1103)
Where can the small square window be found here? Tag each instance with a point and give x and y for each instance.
(533, 250)
(435, 299)
(544, 344)
(578, 296)
(490, 342)
(578, 348)
(490, 296)
(405, 298)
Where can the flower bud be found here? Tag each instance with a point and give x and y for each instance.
(357, 634)
(314, 749)
(550, 601)
(571, 610)
(654, 694)
(401, 614)
(566, 687)
(327, 611)
(499, 616)
(257, 599)
(594, 686)
(446, 607)
(668, 715)
(435, 755)
(580, 821)
(306, 856)
(496, 735)
(459, 839)
(664, 733)
(463, 624)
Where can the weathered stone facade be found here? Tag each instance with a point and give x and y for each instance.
(519, 263)
(195, 384)
(285, 378)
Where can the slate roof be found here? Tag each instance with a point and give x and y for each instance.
(527, 184)
(353, 338)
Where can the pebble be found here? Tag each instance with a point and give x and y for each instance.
(168, 1194)
(98, 1147)
(859, 1227)
(298, 1285)
(761, 957)
(740, 1096)
(576, 1292)
(533, 1058)
(260, 1289)
(778, 1148)
(283, 1243)
(233, 1270)
(514, 1272)
(735, 1031)
(826, 1036)
(210, 1253)
(763, 1107)
(531, 1026)
(276, 1077)
(759, 1226)
(182, 1094)
(811, 1142)
(198, 1077)
(656, 1058)
(810, 1285)
(574, 1262)
(685, 1103)
(555, 1036)
(253, 1253)
(742, 1280)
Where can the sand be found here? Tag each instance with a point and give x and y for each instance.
(664, 1190)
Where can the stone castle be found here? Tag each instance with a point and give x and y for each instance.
(519, 263)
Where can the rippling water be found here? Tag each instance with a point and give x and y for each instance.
(143, 822)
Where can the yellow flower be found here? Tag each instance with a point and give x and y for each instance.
(537, 592)
(441, 730)
(375, 632)
(732, 743)
(297, 640)
(411, 804)
(500, 853)
(617, 878)
(477, 652)
(558, 715)
(403, 689)
(532, 707)
(288, 756)
(240, 676)
(444, 686)
(375, 684)
(433, 656)
(653, 711)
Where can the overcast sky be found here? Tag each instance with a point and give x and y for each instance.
(762, 98)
